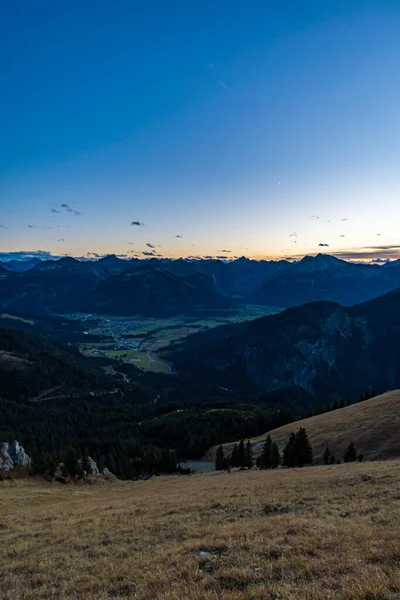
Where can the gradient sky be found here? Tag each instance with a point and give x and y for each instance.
(263, 128)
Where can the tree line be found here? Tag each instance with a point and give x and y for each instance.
(297, 452)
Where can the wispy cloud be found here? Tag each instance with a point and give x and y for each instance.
(228, 89)
(2, 226)
(178, 236)
(150, 245)
(137, 224)
(315, 217)
(53, 210)
(323, 245)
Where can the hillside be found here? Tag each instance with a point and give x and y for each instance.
(312, 534)
(326, 349)
(373, 426)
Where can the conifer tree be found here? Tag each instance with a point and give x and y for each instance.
(327, 456)
(220, 463)
(288, 452)
(241, 455)
(275, 456)
(265, 458)
(234, 457)
(71, 464)
(350, 455)
(302, 449)
(249, 455)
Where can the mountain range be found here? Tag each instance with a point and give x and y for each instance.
(326, 349)
(163, 288)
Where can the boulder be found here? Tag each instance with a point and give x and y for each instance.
(94, 469)
(6, 462)
(13, 455)
(19, 456)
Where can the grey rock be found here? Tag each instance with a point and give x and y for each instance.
(106, 471)
(13, 455)
(19, 456)
(6, 462)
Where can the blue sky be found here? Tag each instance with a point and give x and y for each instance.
(232, 125)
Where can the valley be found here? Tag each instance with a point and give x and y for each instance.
(140, 341)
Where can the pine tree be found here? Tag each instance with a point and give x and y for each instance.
(249, 455)
(327, 456)
(275, 456)
(350, 455)
(302, 449)
(288, 456)
(265, 458)
(241, 455)
(71, 464)
(220, 463)
(361, 397)
(234, 457)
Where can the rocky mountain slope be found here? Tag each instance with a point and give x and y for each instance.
(322, 347)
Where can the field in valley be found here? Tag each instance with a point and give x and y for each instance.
(140, 340)
(311, 534)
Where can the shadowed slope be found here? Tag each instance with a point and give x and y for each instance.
(373, 426)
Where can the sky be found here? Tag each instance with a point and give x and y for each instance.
(224, 128)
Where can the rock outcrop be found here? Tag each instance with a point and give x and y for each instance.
(13, 455)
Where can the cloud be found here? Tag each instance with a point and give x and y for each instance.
(150, 245)
(222, 257)
(323, 245)
(2, 226)
(137, 224)
(228, 89)
(370, 253)
(53, 210)
(178, 236)
(294, 234)
(379, 260)
(342, 235)
(69, 209)
(344, 219)
(148, 253)
(225, 251)
(315, 217)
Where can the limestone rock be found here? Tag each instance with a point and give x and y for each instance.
(94, 469)
(6, 462)
(19, 456)
(13, 455)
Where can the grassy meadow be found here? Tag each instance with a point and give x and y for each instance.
(311, 534)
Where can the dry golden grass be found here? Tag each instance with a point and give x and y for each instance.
(311, 534)
(373, 426)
